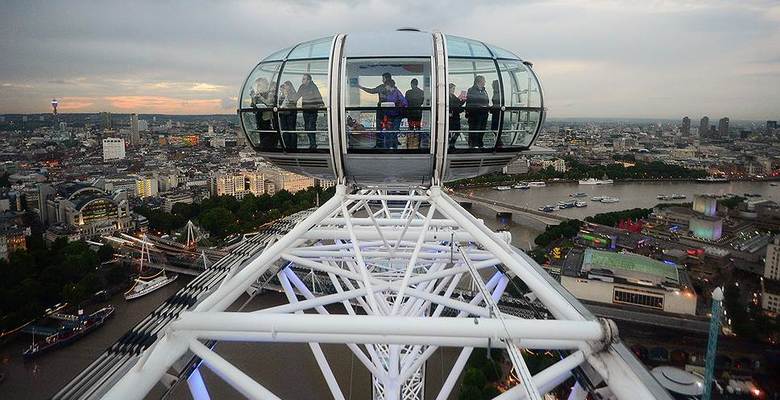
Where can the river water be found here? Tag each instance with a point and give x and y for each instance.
(631, 195)
(290, 370)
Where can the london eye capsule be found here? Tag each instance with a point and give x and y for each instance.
(394, 109)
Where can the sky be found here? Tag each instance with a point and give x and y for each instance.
(651, 59)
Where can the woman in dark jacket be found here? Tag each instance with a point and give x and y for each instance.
(288, 116)
(456, 107)
(477, 103)
(495, 111)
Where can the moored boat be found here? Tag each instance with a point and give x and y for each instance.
(146, 285)
(712, 179)
(594, 181)
(71, 330)
(521, 186)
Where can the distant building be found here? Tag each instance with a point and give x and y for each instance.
(170, 199)
(707, 228)
(630, 279)
(146, 186)
(105, 120)
(134, 136)
(685, 129)
(772, 260)
(12, 238)
(519, 166)
(288, 181)
(771, 126)
(325, 183)
(704, 127)
(88, 210)
(238, 184)
(723, 127)
(168, 182)
(217, 142)
(770, 295)
(558, 164)
(113, 149)
(705, 204)
(143, 125)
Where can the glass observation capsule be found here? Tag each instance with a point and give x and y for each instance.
(401, 109)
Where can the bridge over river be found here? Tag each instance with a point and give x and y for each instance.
(523, 215)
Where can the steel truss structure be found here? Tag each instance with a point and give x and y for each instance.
(396, 262)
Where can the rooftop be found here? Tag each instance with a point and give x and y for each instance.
(631, 264)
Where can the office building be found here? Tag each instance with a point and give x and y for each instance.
(134, 136)
(704, 127)
(291, 182)
(685, 129)
(113, 149)
(105, 120)
(146, 186)
(238, 184)
(172, 198)
(723, 127)
(520, 166)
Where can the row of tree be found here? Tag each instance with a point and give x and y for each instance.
(225, 215)
(612, 218)
(40, 277)
(577, 170)
(568, 229)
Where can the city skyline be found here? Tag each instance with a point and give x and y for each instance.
(597, 60)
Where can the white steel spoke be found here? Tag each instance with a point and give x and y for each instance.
(397, 274)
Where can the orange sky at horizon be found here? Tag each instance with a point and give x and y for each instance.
(141, 105)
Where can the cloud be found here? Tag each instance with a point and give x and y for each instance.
(163, 104)
(75, 104)
(595, 58)
(205, 87)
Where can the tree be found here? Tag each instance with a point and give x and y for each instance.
(470, 393)
(474, 377)
(217, 220)
(105, 253)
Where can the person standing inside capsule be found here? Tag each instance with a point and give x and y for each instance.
(477, 103)
(391, 123)
(381, 92)
(288, 116)
(415, 97)
(456, 108)
(311, 100)
(495, 111)
(262, 99)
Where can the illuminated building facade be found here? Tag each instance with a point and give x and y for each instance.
(90, 210)
(705, 204)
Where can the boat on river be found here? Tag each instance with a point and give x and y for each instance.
(522, 186)
(712, 179)
(608, 199)
(146, 285)
(72, 328)
(594, 181)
